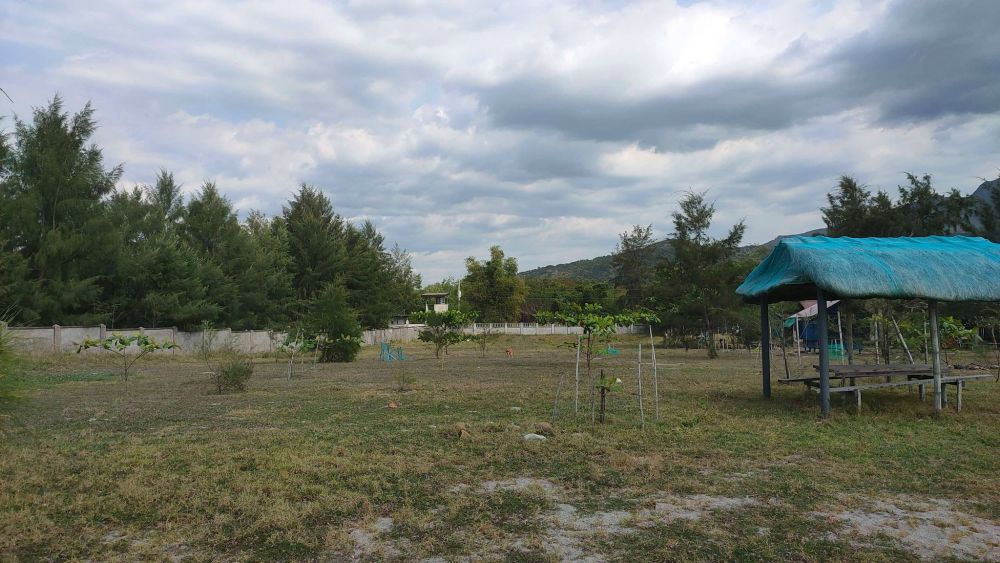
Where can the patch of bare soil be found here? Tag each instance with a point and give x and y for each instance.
(932, 529)
(570, 531)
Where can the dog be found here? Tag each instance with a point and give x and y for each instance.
(509, 352)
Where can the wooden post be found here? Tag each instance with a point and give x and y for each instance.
(878, 352)
(656, 379)
(824, 354)
(56, 338)
(932, 312)
(765, 348)
(848, 331)
(798, 343)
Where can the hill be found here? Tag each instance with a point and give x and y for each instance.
(599, 268)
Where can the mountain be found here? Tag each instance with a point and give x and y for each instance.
(984, 192)
(599, 268)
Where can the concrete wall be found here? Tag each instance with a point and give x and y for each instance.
(56, 339)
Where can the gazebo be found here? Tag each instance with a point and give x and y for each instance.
(937, 268)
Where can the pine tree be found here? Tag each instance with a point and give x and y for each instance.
(54, 216)
(315, 241)
(266, 286)
(697, 283)
(633, 263)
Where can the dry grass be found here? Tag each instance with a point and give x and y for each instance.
(319, 468)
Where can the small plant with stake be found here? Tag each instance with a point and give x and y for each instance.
(605, 385)
(128, 348)
(484, 338)
(598, 327)
(230, 371)
(443, 329)
(296, 343)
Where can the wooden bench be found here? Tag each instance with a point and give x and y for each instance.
(921, 375)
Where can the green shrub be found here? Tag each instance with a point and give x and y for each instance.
(335, 324)
(233, 374)
(343, 349)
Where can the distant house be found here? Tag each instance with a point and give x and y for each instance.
(437, 302)
(399, 320)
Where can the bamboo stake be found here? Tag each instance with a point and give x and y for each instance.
(926, 347)
(899, 334)
(642, 413)
(576, 391)
(878, 354)
(656, 378)
(840, 334)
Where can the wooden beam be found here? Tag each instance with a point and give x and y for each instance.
(932, 312)
(824, 354)
(765, 348)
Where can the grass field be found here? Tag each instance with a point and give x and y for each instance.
(319, 468)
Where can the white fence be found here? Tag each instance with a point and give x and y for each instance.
(409, 333)
(57, 339)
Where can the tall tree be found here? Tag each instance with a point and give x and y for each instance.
(266, 286)
(633, 263)
(212, 229)
(923, 212)
(368, 276)
(493, 288)
(698, 282)
(158, 279)
(405, 290)
(53, 215)
(853, 211)
(918, 211)
(315, 240)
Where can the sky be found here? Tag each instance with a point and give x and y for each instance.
(546, 128)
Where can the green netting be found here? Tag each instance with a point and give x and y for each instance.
(944, 268)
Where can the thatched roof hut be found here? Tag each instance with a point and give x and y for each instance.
(933, 268)
(940, 268)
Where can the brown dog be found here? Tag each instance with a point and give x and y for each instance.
(510, 352)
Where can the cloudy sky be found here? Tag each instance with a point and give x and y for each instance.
(547, 129)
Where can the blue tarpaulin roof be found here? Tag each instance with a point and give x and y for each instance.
(944, 268)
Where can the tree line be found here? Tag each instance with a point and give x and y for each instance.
(76, 250)
(692, 288)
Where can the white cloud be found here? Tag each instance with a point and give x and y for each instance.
(545, 128)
